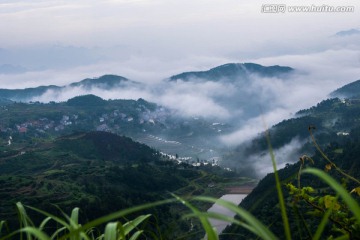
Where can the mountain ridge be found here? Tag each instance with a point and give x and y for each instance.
(350, 90)
(105, 82)
(233, 70)
(230, 71)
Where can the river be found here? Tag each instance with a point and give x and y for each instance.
(218, 224)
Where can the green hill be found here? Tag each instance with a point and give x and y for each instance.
(143, 121)
(104, 145)
(334, 119)
(106, 82)
(86, 101)
(101, 172)
(263, 201)
(234, 71)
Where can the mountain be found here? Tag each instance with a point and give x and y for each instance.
(101, 172)
(26, 94)
(244, 84)
(241, 89)
(335, 126)
(5, 101)
(263, 201)
(349, 32)
(334, 119)
(231, 71)
(104, 145)
(143, 121)
(234, 71)
(105, 82)
(351, 90)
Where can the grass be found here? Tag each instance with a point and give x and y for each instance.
(279, 190)
(70, 228)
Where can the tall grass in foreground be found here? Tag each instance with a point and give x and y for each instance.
(70, 228)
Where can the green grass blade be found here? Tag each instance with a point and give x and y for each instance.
(32, 231)
(73, 235)
(57, 232)
(101, 237)
(9, 236)
(29, 231)
(121, 230)
(345, 237)
(116, 215)
(24, 219)
(259, 229)
(350, 202)
(156, 233)
(279, 190)
(222, 217)
(74, 223)
(210, 231)
(2, 224)
(75, 216)
(322, 225)
(92, 232)
(111, 231)
(43, 223)
(55, 218)
(131, 225)
(136, 235)
(84, 236)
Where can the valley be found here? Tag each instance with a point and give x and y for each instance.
(105, 155)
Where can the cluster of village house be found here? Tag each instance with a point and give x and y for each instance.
(44, 124)
(101, 122)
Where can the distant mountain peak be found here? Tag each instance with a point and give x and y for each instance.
(106, 81)
(232, 71)
(349, 32)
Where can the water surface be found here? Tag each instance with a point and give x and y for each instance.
(218, 224)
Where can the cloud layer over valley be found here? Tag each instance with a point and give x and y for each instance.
(262, 100)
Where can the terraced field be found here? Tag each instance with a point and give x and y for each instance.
(184, 146)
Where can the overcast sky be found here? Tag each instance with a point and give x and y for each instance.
(149, 40)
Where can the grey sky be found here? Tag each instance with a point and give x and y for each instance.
(62, 41)
(93, 31)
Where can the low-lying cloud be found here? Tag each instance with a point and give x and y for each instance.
(247, 107)
(289, 153)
